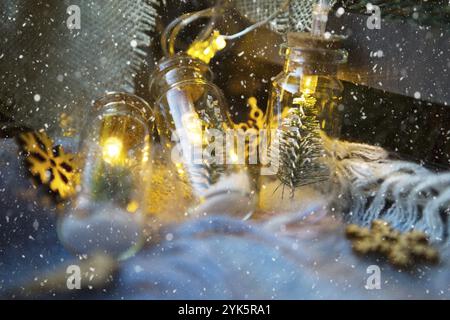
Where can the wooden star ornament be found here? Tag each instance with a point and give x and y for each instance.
(401, 249)
(50, 163)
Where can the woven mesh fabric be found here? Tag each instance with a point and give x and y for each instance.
(47, 69)
(297, 18)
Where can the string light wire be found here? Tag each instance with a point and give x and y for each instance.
(171, 32)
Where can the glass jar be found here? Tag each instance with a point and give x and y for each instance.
(302, 110)
(196, 128)
(114, 157)
(308, 81)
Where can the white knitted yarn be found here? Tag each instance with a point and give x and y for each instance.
(367, 186)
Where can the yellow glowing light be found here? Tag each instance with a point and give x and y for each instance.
(193, 127)
(132, 206)
(220, 42)
(308, 84)
(206, 50)
(112, 150)
(233, 157)
(146, 150)
(180, 168)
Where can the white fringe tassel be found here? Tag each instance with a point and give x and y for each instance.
(367, 186)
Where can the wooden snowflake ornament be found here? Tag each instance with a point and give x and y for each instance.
(49, 163)
(401, 249)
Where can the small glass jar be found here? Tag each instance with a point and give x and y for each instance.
(309, 81)
(302, 112)
(194, 124)
(115, 146)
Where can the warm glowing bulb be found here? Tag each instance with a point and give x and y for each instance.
(234, 157)
(132, 206)
(308, 84)
(220, 42)
(112, 150)
(180, 168)
(206, 50)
